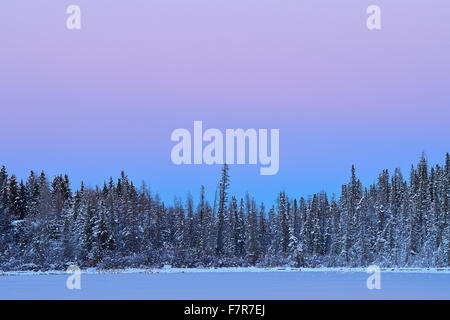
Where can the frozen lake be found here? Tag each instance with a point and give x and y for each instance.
(229, 285)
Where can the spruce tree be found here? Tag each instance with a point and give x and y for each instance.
(223, 194)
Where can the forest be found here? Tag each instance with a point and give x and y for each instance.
(395, 222)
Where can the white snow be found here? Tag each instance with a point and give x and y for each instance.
(229, 283)
(169, 269)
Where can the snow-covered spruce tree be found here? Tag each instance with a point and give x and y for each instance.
(191, 233)
(5, 221)
(241, 230)
(180, 236)
(295, 257)
(211, 236)
(443, 222)
(223, 196)
(262, 230)
(201, 225)
(284, 231)
(273, 238)
(252, 249)
(336, 234)
(13, 197)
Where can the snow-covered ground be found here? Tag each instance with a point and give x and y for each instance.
(229, 283)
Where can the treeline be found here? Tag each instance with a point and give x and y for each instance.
(393, 223)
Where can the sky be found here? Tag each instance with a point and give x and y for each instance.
(106, 98)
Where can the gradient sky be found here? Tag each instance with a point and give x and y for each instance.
(106, 98)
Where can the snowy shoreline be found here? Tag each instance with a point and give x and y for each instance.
(223, 270)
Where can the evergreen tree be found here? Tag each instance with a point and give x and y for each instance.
(223, 194)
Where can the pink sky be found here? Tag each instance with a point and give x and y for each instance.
(106, 98)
